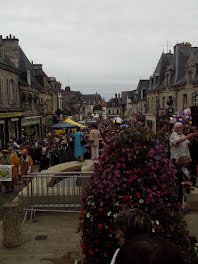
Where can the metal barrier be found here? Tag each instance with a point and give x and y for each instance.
(50, 191)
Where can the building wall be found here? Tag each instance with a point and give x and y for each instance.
(113, 111)
(9, 93)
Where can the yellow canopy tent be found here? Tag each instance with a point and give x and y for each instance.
(68, 120)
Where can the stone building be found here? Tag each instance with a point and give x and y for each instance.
(173, 87)
(137, 109)
(89, 101)
(33, 94)
(113, 108)
(72, 103)
(10, 110)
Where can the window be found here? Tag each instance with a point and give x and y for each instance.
(113, 105)
(11, 88)
(163, 102)
(152, 105)
(148, 104)
(109, 111)
(190, 76)
(1, 92)
(28, 78)
(118, 111)
(184, 101)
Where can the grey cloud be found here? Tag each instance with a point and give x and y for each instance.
(102, 46)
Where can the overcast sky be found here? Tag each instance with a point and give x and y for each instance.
(102, 46)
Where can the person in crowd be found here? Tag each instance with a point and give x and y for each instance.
(183, 176)
(14, 161)
(129, 223)
(44, 162)
(79, 149)
(25, 163)
(93, 138)
(193, 154)
(149, 249)
(13, 144)
(179, 144)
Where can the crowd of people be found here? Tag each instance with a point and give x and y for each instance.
(76, 144)
(89, 143)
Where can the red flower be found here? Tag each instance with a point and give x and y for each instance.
(96, 250)
(96, 242)
(90, 252)
(100, 169)
(101, 209)
(137, 194)
(100, 226)
(148, 201)
(82, 245)
(126, 197)
(100, 200)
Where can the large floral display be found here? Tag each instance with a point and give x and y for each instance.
(133, 172)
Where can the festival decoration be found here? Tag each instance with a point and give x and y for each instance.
(5, 172)
(134, 172)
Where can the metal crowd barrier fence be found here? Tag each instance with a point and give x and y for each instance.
(53, 192)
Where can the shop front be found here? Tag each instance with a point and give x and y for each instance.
(31, 126)
(10, 127)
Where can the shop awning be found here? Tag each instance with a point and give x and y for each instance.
(68, 120)
(62, 126)
(31, 120)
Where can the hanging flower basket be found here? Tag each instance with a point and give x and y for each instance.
(134, 172)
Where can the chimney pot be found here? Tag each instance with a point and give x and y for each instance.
(13, 37)
(0, 36)
(10, 36)
(115, 95)
(7, 37)
(170, 51)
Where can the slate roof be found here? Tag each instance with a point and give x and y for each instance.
(166, 59)
(6, 62)
(142, 85)
(124, 96)
(24, 66)
(115, 101)
(178, 62)
(92, 99)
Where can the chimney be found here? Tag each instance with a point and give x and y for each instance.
(116, 95)
(181, 50)
(0, 36)
(11, 49)
(37, 66)
(169, 51)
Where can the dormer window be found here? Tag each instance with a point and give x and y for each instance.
(28, 78)
(190, 76)
(113, 105)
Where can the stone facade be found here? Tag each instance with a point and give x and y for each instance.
(10, 110)
(113, 107)
(172, 88)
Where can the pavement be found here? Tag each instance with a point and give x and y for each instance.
(61, 244)
(191, 215)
